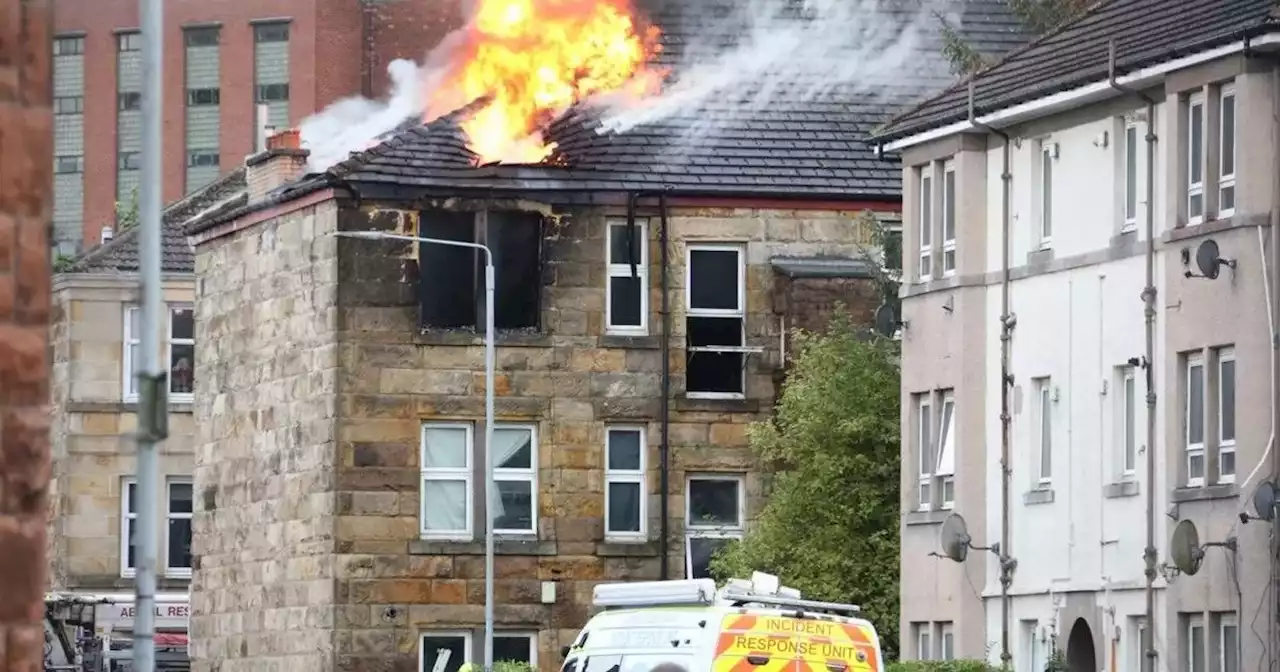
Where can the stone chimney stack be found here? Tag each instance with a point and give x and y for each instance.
(282, 162)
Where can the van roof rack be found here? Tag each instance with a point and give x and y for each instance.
(738, 598)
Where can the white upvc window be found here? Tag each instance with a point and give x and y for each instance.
(515, 476)
(178, 530)
(626, 302)
(132, 352)
(715, 320)
(1195, 158)
(1193, 420)
(924, 642)
(946, 641)
(925, 269)
(1044, 431)
(948, 219)
(1128, 422)
(1228, 643)
(520, 647)
(1048, 151)
(946, 470)
(181, 355)
(454, 646)
(447, 496)
(128, 527)
(1131, 149)
(1196, 660)
(1226, 415)
(625, 494)
(924, 449)
(715, 516)
(1226, 151)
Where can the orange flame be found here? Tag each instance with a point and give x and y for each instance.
(533, 59)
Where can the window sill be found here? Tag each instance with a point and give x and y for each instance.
(1120, 489)
(506, 339)
(1040, 257)
(932, 517)
(178, 574)
(630, 342)
(500, 547)
(618, 548)
(184, 407)
(1189, 230)
(1204, 493)
(1038, 496)
(684, 402)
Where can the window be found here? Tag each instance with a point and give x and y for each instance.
(1130, 176)
(178, 537)
(204, 96)
(924, 643)
(271, 32)
(625, 482)
(1195, 643)
(1044, 429)
(446, 480)
(1228, 644)
(1226, 415)
(132, 351)
(1128, 420)
(68, 46)
(627, 297)
(716, 296)
(66, 165)
(924, 448)
(1195, 159)
(1031, 646)
(454, 647)
(273, 93)
(182, 352)
(946, 640)
(129, 160)
(1227, 152)
(947, 454)
(948, 219)
(926, 224)
(129, 100)
(451, 279)
(1047, 152)
(199, 158)
(714, 517)
(128, 528)
(517, 647)
(68, 105)
(1139, 645)
(129, 41)
(201, 37)
(1194, 420)
(515, 475)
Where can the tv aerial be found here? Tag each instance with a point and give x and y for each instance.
(1185, 548)
(1264, 503)
(956, 543)
(1208, 261)
(886, 320)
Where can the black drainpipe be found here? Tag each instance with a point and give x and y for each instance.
(664, 448)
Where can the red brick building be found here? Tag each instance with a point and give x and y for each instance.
(222, 58)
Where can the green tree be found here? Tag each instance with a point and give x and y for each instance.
(1038, 16)
(127, 212)
(830, 527)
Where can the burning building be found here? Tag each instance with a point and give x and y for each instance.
(645, 283)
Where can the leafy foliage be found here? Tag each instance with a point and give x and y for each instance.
(512, 666)
(940, 666)
(1042, 16)
(962, 57)
(63, 263)
(127, 212)
(830, 527)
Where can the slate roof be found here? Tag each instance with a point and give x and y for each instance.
(1146, 32)
(810, 139)
(120, 254)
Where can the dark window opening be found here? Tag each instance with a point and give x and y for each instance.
(129, 161)
(436, 646)
(718, 372)
(129, 42)
(129, 100)
(273, 93)
(202, 158)
(447, 274)
(202, 37)
(68, 164)
(715, 321)
(516, 240)
(204, 96)
(68, 46)
(271, 32)
(516, 648)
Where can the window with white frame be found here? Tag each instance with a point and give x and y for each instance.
(1228, 643)
(519, 647)
(924, 448)
(132, 351)
(946, 641)
(1044, 430)
(1128, 417)
(1193, 419)
(1048, 150)
(1031, 652)
(715, 321)
(1195, 158)
(946, 471)
(182, 352)
(925, 269)
(924, 641)
(128, 527)
(446, 466)
(624, 494)
(715, 515)
(1226, 415)
(627, 297)
(515, 475)
(1195, 643)
(178, 533)
(948, 219)
(1226, 151)
(454, 647)
(1130, 148)
(1138, 646)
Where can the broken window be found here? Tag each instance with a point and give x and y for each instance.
(627, 296)
(715, 295)
(452, 278)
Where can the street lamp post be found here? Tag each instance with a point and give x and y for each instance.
(488, 412)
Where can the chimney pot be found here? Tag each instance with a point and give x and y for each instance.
(283, 161)
(289, 139)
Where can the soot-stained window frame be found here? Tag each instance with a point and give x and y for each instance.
(730, 354)
(444, 301)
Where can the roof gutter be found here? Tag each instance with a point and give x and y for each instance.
(1085, 94)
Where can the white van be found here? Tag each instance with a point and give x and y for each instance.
(747, 626)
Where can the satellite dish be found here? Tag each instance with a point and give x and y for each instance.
(1209, 261)
(954, 538)
(1185, 548)
(1264, 500)
(886, 320)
